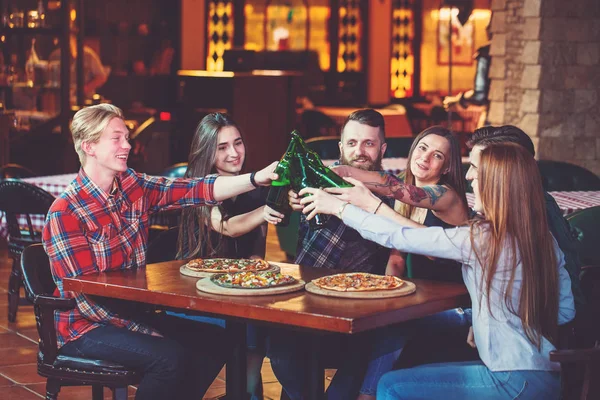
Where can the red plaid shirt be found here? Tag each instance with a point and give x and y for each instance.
(88, 231)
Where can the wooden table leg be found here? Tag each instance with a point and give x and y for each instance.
(236, 366)
(316, 375)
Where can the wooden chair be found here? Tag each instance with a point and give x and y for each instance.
(15, 171)
(20, 198)
(581, 365)
(58, 369)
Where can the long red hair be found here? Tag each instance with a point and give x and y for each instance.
(515, 220)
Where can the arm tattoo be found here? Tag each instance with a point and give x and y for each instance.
(435, 192)
(394, 187)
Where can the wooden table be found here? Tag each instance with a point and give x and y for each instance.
(162, 284)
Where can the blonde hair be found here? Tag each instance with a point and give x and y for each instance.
(89, 123)
(514, 208)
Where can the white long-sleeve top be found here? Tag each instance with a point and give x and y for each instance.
(499, 335)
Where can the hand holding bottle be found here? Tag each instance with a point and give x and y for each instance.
(359, 195)
(294, 201)
(264, 176)
(317, 201)
(272, 216)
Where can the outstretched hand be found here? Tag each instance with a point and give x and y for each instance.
(264, 176)
(359, 195)
(317, 201)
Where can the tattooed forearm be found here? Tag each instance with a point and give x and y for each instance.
(394, 187)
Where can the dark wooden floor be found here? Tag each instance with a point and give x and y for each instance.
(18, 348)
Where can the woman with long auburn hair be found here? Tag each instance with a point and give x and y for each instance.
(431, 193)
(513, 270)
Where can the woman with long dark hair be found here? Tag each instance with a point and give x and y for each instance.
(431, 193)
(236, 228)
(513, 269)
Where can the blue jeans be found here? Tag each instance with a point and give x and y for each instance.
(467, 380)
(373, 353)
(255, 343)
(182, 364)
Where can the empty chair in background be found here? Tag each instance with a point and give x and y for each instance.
(18, 198)
(558, 176)
(15, 171)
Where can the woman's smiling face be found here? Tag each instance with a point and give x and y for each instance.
(429, 159)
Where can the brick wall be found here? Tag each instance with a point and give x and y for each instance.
(545, 75)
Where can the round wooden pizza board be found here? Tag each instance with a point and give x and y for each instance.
(406, 289)
(198, 274)
(208, 286)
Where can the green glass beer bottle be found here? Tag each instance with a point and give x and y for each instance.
(315, 175)
(277, 198)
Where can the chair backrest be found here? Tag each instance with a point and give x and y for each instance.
(163, 247)
(15, 171)
(586, 223)
(175, 170)
(562, 176)
(39, 289)
(22, 198)
(398, 146)
(590, 285)
(314, 123)
(326, 147)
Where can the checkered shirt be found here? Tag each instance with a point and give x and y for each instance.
(88, 231)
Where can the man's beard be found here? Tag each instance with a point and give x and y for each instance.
(370, 166)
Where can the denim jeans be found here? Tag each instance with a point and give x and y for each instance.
(255, 343)
(182, 364)
(467, 380)
(388, 343)
(373, 353)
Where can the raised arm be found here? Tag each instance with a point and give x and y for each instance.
(435, 197)
(226, 187)
(453, 244)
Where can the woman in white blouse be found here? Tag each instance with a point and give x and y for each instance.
(513, 269)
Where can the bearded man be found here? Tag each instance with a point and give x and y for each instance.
(335, 246)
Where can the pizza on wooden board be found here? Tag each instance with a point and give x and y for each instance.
(358, 282)
(230, 265)
(253, 280)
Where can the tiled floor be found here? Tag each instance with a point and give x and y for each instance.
(18, 348)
